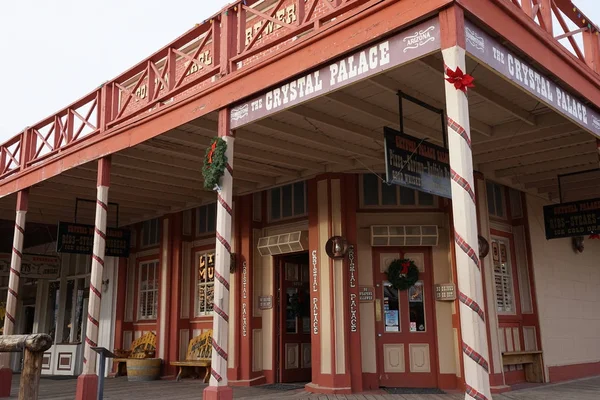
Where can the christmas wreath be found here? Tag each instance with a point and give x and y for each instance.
(215, 163)
(403, 273)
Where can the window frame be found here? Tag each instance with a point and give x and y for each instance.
(141, 265)
(293, 216)
(196, 285)
(197, 211)
(503, 192)
(514, 283)
(143, 231)
(398, 206)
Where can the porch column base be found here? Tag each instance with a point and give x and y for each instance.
(87, 387)
(314, 388)
(217, 393)
(5, 381)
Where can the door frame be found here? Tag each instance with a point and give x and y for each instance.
(278, 261)
(376, 251)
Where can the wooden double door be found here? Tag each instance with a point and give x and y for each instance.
(405, 323)
(294, 324)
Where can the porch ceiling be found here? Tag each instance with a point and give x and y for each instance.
(517, 140)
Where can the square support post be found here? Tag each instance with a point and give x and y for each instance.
(472, 316)
(218, 387)
(13, 288)
(87, 382)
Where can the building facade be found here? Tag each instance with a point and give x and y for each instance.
(489, 190)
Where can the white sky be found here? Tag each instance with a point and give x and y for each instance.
(53, 52)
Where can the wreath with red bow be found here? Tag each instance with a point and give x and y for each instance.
(403, 273)
(215, 163)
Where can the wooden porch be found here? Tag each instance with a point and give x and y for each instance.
(120, 388)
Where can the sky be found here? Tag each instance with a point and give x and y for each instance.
(52, 52)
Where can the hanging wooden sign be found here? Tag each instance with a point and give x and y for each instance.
(79, 239)
(578, 218)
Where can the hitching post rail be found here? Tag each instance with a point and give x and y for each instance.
(34, 347)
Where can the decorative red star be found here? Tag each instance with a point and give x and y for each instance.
(459, 79)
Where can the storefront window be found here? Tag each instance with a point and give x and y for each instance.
(205, 284)
(503, 279)
(67, 323)
(53, 309)
(496, 202)
(206, 217)
(148, 293)
(376, 193)
(391, 308)
(288, 201)
(416, 307)
(150, 232)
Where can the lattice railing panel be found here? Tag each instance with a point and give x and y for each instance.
(68, 126)
(10, 156)
(268, 26)
(569, 26)
(187, 65)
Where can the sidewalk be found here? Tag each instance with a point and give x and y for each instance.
(121, 389)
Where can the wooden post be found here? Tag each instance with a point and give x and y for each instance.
(34, 347)
(218, 388)
(87, 382)
(13, 288)
(472, 317)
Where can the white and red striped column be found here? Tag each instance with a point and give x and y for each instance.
(218, 388)
(87, 383)
(470, 286)
(13, 288)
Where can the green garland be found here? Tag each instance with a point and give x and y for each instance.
(403, 273)
(215, 163)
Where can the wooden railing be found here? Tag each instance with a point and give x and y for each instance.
(34, 347)
(578, 34)
(243, 34)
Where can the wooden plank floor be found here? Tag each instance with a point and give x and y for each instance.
(121, 389)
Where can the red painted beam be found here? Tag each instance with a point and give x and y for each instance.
(369, 22)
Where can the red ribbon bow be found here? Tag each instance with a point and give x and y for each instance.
(459, 79)
(405, 267)
(211, 152)
(595, 236)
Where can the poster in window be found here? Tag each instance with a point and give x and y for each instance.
(502, 252)
(392, 323)
(495, 251)
(415, 293)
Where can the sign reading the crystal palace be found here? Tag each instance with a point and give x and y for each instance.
(577, 218)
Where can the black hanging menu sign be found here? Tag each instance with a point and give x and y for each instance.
(79, 239)
(416, 164)
(578, 218)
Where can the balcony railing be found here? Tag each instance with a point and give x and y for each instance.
(243, 34)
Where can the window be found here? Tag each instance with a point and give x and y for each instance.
(376, 193)
(205, 284)
(148, 300)
(503, 277)
(495, 197)
(206, 219)
(287, 201)
(150, 231)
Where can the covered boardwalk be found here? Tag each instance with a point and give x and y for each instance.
(306, 90)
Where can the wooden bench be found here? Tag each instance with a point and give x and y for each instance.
(198, 355)
(531, 360)
(142, 347)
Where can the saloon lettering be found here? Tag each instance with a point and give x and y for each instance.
(496, 56)
(244, 296)
(396, 50)
(286, 15)
(348, 68)
(204, 59)
(315, 301)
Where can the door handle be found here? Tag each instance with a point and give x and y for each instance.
(379, 334)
